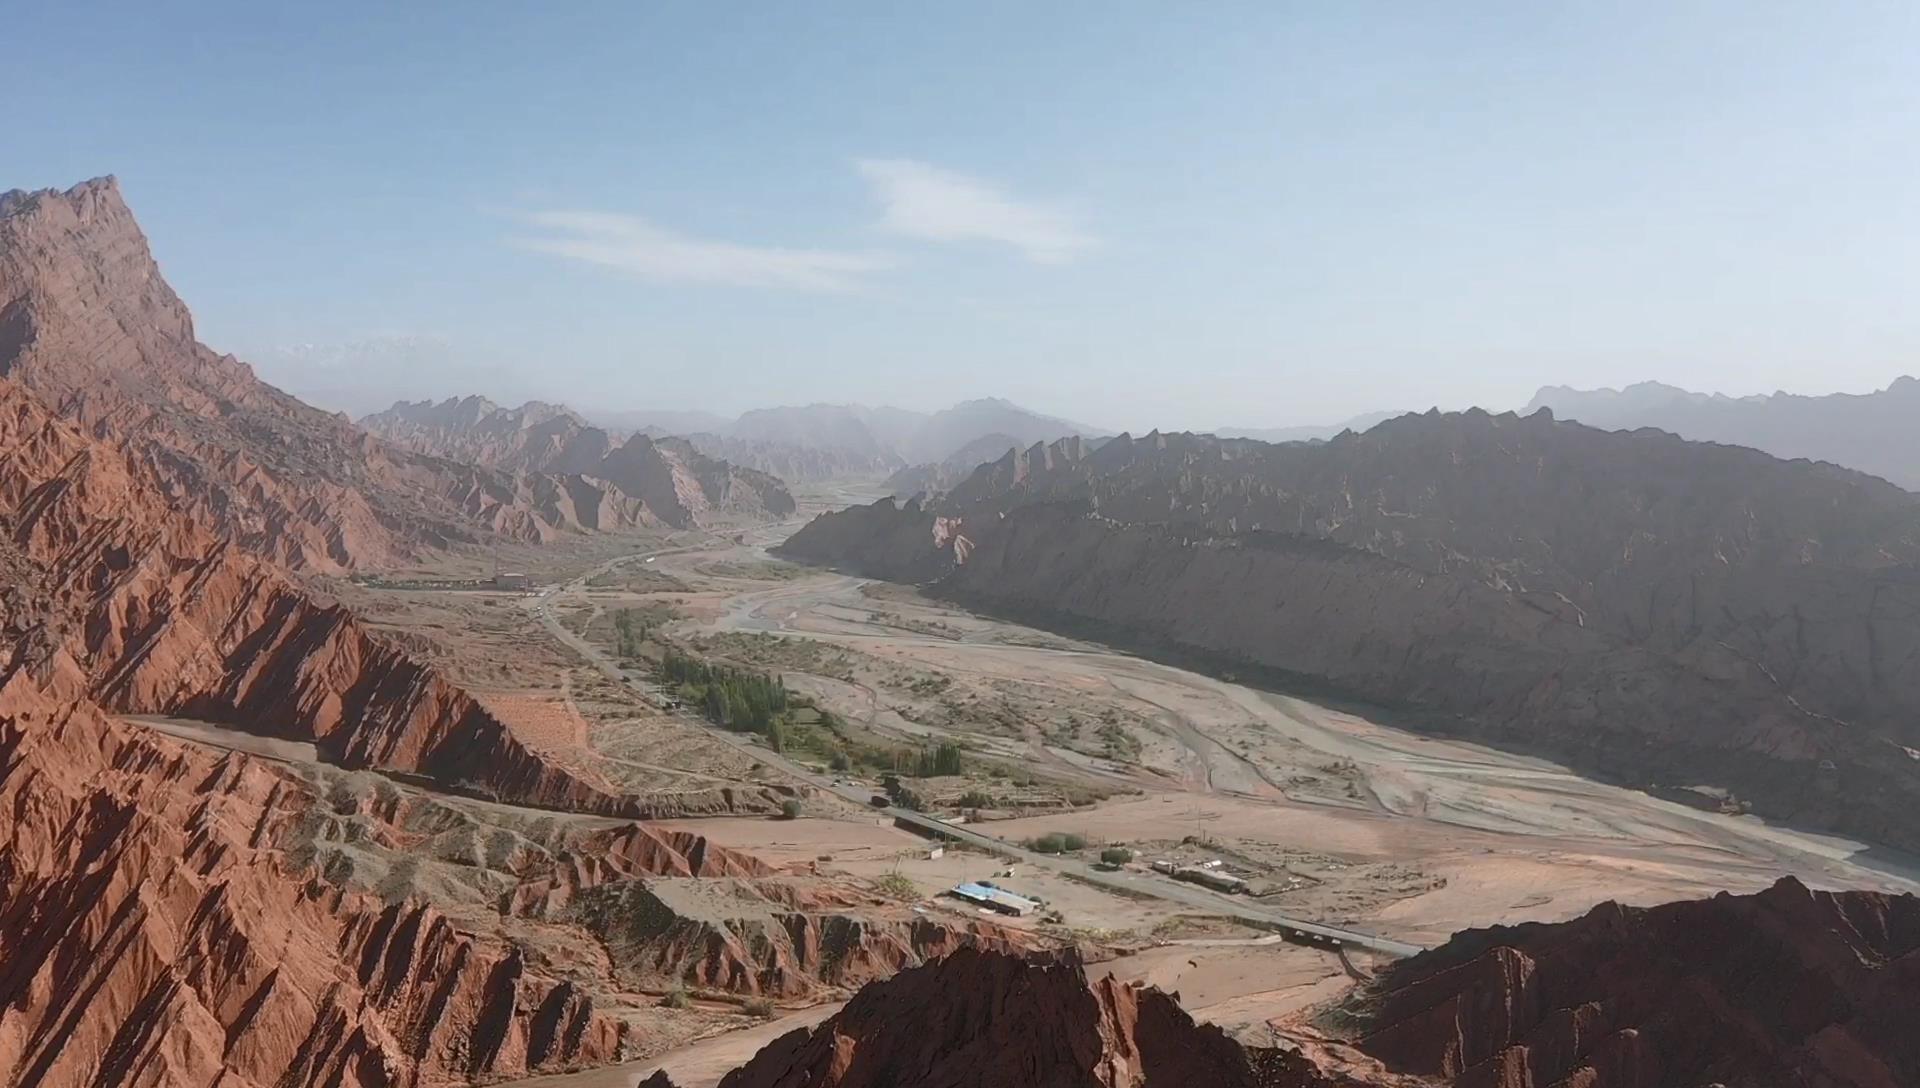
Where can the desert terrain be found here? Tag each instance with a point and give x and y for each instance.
(1328, 813)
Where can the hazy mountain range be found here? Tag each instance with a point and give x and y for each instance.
(829, 441)
(1872, 432)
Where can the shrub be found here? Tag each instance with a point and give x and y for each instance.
(758, 1007)
(677, 998)
(898, 886)
(1116, 855)
(789, 809)
(976, 799)
(1051, 843)
(1071, 841)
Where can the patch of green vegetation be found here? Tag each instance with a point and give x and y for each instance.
(1120, 743)
(634, 626)
(638, 580)
(777, 652)
(769, 570)
(896, 885)
(1057, 842)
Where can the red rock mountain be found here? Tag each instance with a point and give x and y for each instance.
(89, 326)
(1662, 612)
(678, 485)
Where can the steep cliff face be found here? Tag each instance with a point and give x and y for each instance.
(1789, 987)
(670, 479)
(152, 936)
(1666, 612)
(978, 1018)
(90, 328)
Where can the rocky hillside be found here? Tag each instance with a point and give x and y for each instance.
(1783, 989)
(980, 1018)
(1789, 988)
(1872, 432)
(1666, 613)
(90, 328)
(153, 935)
(119, 595)
(670, 479)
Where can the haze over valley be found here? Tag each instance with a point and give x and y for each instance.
(904, 549)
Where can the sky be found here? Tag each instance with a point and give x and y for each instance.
(1137, 215)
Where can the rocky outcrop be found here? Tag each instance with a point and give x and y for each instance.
(938, 476)
(1783, 989)
(151, 934)
(90, 328)
(1663, 612)
(978, 1018)
(670, 479)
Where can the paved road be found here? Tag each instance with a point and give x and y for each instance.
(1126, 881)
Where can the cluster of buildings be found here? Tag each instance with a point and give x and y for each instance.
(1208, 875)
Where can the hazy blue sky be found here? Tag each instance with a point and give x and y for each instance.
(1132, 214)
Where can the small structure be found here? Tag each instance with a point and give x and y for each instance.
(512, 580)
(997, 899)
(1210, 878)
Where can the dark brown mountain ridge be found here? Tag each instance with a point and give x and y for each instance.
(1659, 611)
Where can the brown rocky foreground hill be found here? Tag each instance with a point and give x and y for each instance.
(1789, 988)
(678, 484)
(1665, 613)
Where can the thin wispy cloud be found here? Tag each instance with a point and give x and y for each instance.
(634, 245)
(923, 201)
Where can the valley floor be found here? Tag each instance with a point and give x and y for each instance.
(1329, 814)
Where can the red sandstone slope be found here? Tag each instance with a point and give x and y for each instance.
(1789, 988)
(151, 937)
(983, 1018)
(125, 598)
(89, 327)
